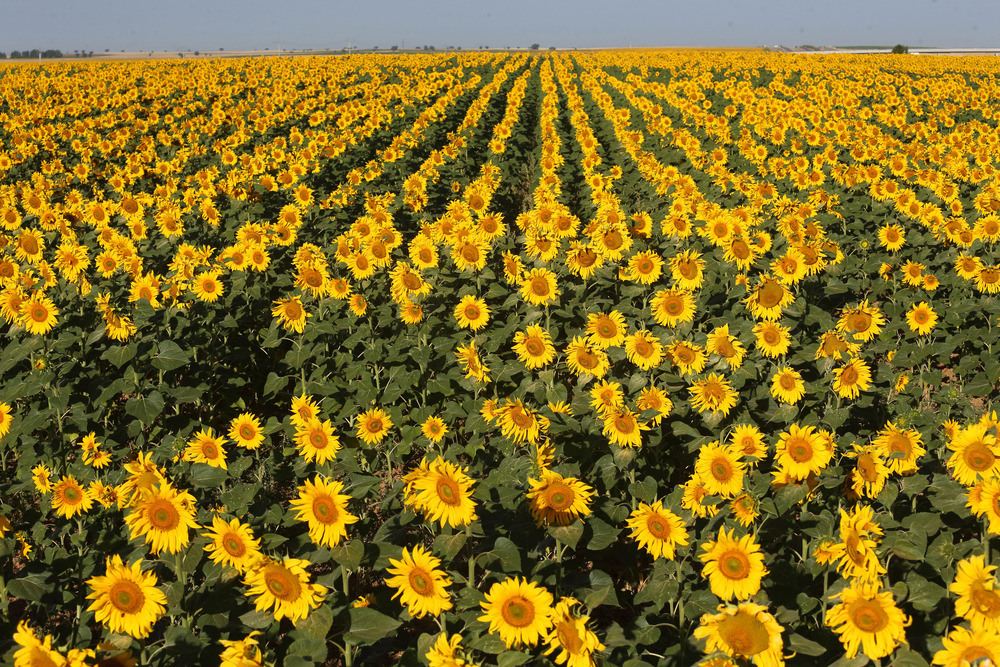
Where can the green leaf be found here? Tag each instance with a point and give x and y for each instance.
(924, 595)
(508, 554)
(601, 591)
(604, 534)
(904, 657)
(317, 624)
(349, 555)
(205, 476)
(979, 386)
(660, 588)
(569, 535)
(790, 495)
(449, 545)
(275, 383)
(800, 644)
(31, 587)
(256, 620)
(368, 626)
(169, 356)
(120, 354)
(145, 408)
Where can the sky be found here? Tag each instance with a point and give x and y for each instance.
(208, 25)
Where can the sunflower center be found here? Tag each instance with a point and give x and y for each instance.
(800, 450)
(770, 294)
(247, 432)
(586, 359)
(534, 346)
(587, 258)
(282, 584)
(325, 510)
(569, 638)
(126, 597)
(744, 634)
(867, 468)
(624, 425)
(613, 240)
(421, 582)
(39, 313)
(643, 348)
(740, 249)
(771, 337)
(470, 254)
(540, 287)
(787, 382)
(734, 565)
(658, 527)
(448, 491)
(318, 439)
(979, 457)
(849, 376)
(673, 306)
(722, 471)
(233, 545)
(520, 419)
(163, 515)
(375, 425)
(518, 611)
(986, 602)
(210, 450)
(976, 652)
(921, 317)
(687, 269)
(559, 497)
(860, 322)
(72, 495)
(869, 616)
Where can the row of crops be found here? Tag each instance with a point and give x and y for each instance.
(625, 358)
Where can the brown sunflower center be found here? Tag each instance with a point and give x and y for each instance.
(325, 510)
(559, 497)
(421, 582)
(448, 491)
(800, 450)
(734, 564)
(282, 584)
(722, 470)
(744, 634)
(658, 527)
(569, 638)
(126, 597)
(247, 432)
(868, 616)
(163, 515)
(979, 456)
(518, 611)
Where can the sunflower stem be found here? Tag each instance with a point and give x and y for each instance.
(348, 651)
(472, 557)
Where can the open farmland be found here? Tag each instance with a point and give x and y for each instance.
(624, 358)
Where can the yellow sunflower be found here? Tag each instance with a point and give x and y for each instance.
(322, 505)
(245, 431)
(644, 350)
(606, 330)
(622, 427)
(534, 347)
(733, 567)
(69, 498)
(720, 469)
(519, 422)
(240, 652)
(38, 314)
(964, 647)
(163, 516)
(921, 318)
(671, 307)
(539, 288)
(33, 651)
(583, 358)
(204, 447)
(558, 500)
(901, 448)
(232, 543)
(316, 441)
(284, 587)
(746, 631)
(570, 635)
(126, 599)
(373, 425)
(689, 358)
(772, 339)
(434, 429)
(419, 584)
(978, 600)
(657, 530)
(687, 270)
(722, 343)
(864, 321)
(766, 300)
(852, 378)
(472, 313)
(868, 619)
(441, 490)
(519, 611)
(291, 313)
(304, 408)
(207, 286)
(787, 386)
(802, 451)
(713, 393)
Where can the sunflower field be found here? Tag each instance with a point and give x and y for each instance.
(612, 358)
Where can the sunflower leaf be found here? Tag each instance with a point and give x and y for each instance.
(368, 626)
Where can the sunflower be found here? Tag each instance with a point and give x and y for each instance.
(163, 516)
(852, 378)
(978, 600)
(471, 363)
(748, 439)
(434, 429)
(322, 505)
(622, 427)
(207, 286)
(891, 237)
(472, 313)
(304, 409)
(558, 500)
(657, 530)
(722, 343)
(291, 314)
(570, 634)
(733, 567)
(834, 345)
(69, 498)
(744, 509)
(38, 314)
(419, 584)
(534, 347)
(126, 599)
(787, 386)
(655, 400)
(447, 652)
(645, 267)
(232, 544)
(802, 451)
(964, 647)
(671, 307)
(606, 330)
(870, 471)
(442, 491)
(245, 431)
(519, 610)
(687, 270)
(34, 651)
(284, 586)
(713, 393)
(976, 454)
(901, 448)
(241, 652)
(766, 300)
(357, 304)
(864, 322)
(773, 339)
(204, 447)
(519, 422)
(856, 550)
(373, 425)
(867, 618)
(539, 287)
(583, 358)
(720, 469)
(921, 318)
(746, 631)
(688, 357)
(644, 349)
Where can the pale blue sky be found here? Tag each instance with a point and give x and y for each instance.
(134, 25)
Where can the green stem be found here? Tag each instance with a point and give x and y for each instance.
(472, 556)
(348, 651)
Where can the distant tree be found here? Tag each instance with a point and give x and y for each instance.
(375, 48)
(535, 46)
(180, 54)
(395, 48)
(106, 50)
(429, 48)
(900, 48)
(552, 48)
(90, 54)
(221, 49)
(196, 52)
